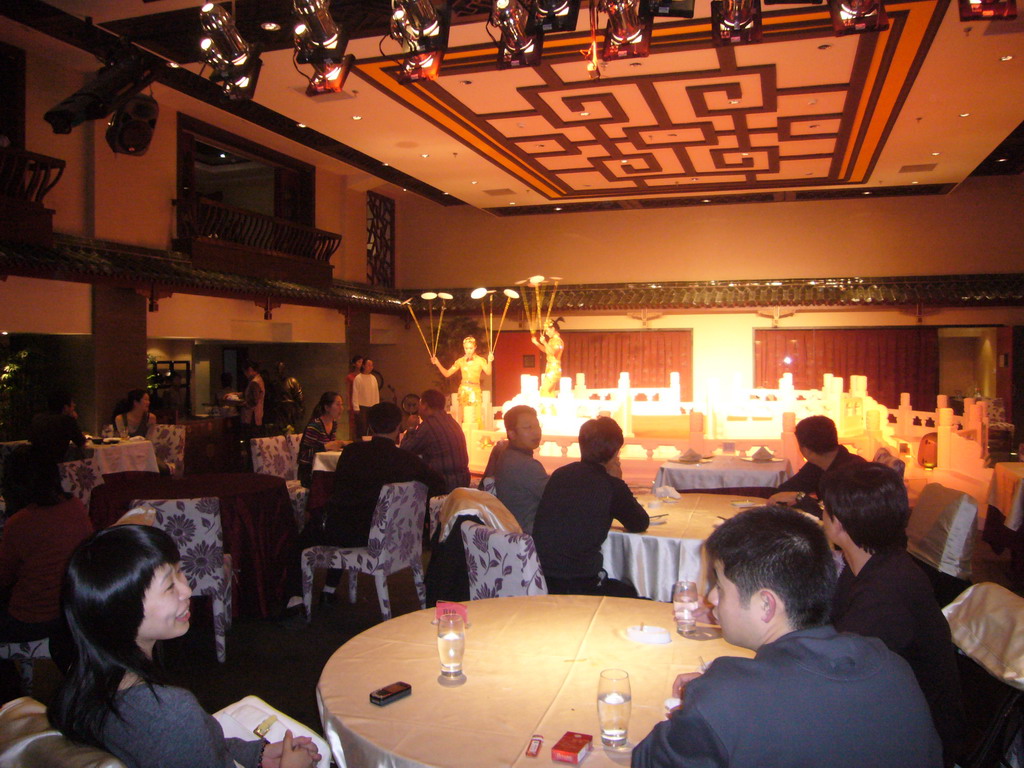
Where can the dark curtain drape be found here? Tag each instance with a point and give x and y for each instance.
(648, 357)
(895, 360)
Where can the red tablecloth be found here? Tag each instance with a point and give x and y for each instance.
(259, 529)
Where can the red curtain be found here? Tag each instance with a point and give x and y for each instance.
(895, 360)
(648, 357)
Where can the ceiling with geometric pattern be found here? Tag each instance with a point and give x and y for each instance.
(804, 114)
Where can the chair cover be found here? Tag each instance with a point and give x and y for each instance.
(396, 543)
(987, 623)
(488, 485)
(28, 741)
(169, 445)
(942, 530)
(884, 456)
(468, 501)
(501, 564)
(25, 654)
(195, 526)
(79, 478)
(279, 456)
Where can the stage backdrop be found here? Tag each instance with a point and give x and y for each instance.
(895, 360)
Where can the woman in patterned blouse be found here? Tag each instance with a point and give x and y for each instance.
(319, 434)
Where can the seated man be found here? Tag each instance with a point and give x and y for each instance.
(818, 441)
(439, 441)
(519, 478)
(364, 468)
(576, 510)
(811, 696)
(51, 432)
(883, 593)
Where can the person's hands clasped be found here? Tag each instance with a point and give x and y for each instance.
(297, 752)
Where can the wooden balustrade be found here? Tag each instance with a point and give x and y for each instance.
(27, 175)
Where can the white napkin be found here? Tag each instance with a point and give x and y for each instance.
(666, 492)
(762, 454)
(690, 457)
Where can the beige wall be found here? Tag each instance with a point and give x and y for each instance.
(977, 228)
(28, 305)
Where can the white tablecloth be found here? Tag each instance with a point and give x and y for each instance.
(130, 456)
(532, 666)
(669, 552)
(723, 472)
(326, 461)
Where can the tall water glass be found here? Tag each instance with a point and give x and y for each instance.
(614, 702)
(451, 644)
(684, 603)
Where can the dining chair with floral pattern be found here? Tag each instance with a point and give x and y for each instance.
(501, 564)
(80, 478)
(195, 526)
(169, 445)
(396, 543)
(279, 456)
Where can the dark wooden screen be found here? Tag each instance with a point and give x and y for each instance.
(895, 360)
(648, 357)
(380, 240)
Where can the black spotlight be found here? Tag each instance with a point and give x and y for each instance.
(118, 81)
(131, 128)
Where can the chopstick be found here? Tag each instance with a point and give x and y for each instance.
(663, 514)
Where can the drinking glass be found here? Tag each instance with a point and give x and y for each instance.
(614, 702)
(451, 644)
(684, 603)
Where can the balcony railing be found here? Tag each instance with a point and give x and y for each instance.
(209, 219)
(28, 176)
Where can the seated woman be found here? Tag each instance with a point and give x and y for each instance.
(132, 417)
(34, 552)
(124, 592)
(320, 434)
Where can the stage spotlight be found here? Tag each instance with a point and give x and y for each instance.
(124, 76)
(330, 64)
(236, 64)
(628, 34)
(855, 16)
(975, 10)
(517, 47)
(556, 15)
(423, 33)
(735, 21)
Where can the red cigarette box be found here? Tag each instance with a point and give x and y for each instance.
(572, 748)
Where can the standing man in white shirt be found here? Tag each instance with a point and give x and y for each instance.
(365, 395)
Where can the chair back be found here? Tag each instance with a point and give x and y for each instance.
(396, 532)
(987, 624)
(195, 526)
(80, 478)
(169, 445)
(942, 529)
(273, 456)
(489, 485)
(28, 739)
(884, 456)
(292, 443)
(501, 564)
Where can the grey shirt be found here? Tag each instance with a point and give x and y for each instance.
(519, 483)
(165, 727)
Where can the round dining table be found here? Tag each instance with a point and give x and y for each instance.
(670, 549)
(531, 667)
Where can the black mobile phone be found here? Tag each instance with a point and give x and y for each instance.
(390, 693)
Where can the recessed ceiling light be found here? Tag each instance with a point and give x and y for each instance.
(223, 156)
(705, 200)
(557, 208)
(695, 178)
(300, 125)
(824, 46)
(1006, 58)
(584, 114)
(512, 203)
(936, 154)
(734, 101)
(173, 64)
(965, 114)
(623, 162)
(357, 117)
(404, 189)
(386, 165)
(474, 182)
(866, 193)
(809, 173)
(270, 26)
(746, 154)
(635, 64)
(465, 82)
(1002, 159)
(425, 155)
(813, 125)
(915, 182)
(447, 193)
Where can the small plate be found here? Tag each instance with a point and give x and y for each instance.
(772, 460)
(111, 440)
(746, 504)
